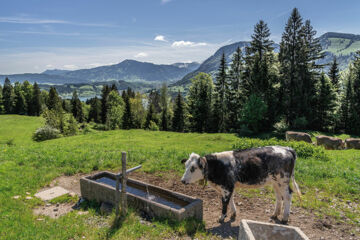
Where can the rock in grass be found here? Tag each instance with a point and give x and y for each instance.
(16, 197)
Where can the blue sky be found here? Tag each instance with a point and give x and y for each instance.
(36, 34)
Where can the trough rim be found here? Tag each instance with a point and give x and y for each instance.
(247, 229)
(191, 200)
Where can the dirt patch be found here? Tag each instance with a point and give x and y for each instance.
(54, 210)
(258, 209)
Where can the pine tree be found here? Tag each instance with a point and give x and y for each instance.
(54, 102)
(27, 89)
(344, 123)
(36, 100)
(20, 101)
(164, 108)
(8, 97)
(95, 110)
(178, 121)
(200, 99)
(325, 104)
(104, 102)
(234, 99)
(114, 88)
(355, 103)
(299, 51)
(260, 78)
(128, 117)
(76, 108)
(334, 75)
(1, 101)
(221, 88)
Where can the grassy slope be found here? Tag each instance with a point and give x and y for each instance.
(339, 46)
(18, 128)
(28, 166)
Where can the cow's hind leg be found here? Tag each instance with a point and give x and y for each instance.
(233, 208)
(287, 203)
(277, 190)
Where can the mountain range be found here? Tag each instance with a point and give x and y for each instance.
(341, 45)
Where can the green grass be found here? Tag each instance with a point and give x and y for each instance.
(328, 178)
(18, 129)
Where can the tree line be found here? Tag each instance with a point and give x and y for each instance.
(259, 90)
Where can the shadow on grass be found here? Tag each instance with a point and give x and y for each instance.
(116, 225)
(225, 230)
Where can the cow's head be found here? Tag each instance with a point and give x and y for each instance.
(194, 169)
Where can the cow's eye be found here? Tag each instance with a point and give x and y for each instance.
(192, 169)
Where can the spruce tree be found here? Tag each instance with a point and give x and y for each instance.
(164, 96)
(334, 75)
(234, 97)
(299, 52)
(95, 110)
(200, 99)
(76, 108)
(54, 102)
(104, 102)
(178, 121)
(128, 118)
(36, 100)
(8, 97)
(260, 78)
(326, 102)
(355, 103)
(27, 89)
(221, 88)
(1, 101)
(20, 101)
(346, 101)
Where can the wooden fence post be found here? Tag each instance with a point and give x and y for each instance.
(123, 185)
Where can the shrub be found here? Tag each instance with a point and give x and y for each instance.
(302, 149)
(281, 127)
(45, 133)
(153, 126)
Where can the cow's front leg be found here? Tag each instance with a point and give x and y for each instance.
(226, 196)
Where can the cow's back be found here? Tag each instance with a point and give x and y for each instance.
(257, 164)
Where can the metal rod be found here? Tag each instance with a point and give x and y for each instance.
(129, 171)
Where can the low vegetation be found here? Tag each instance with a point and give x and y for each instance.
(328, 179)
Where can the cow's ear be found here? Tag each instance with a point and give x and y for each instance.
(202, 162)
(184, 160)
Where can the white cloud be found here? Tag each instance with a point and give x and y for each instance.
(187, 44)
(160, 38)
(22, 20)
(141, 55)
(70, 66)
(49, 66)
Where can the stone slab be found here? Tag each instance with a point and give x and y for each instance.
(51, 193)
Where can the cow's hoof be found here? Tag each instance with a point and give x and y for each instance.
(233, 217)
(222, 219)
(284, 222)
(274, 217)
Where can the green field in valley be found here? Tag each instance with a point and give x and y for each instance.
(328, 178)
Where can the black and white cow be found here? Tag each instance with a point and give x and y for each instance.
(250, 168)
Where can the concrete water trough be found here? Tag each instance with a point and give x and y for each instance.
(155, 201)
(253, 230)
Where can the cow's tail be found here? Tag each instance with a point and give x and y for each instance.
(295, 185)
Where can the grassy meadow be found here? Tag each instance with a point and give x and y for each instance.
(329, 179)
